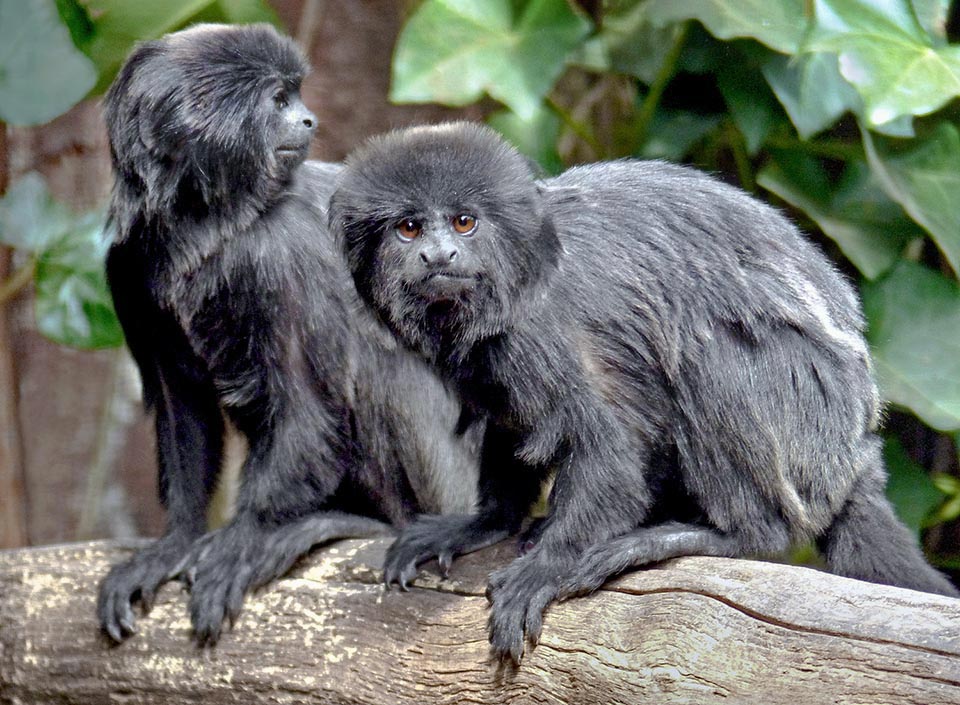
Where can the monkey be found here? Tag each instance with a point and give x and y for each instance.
(236, 304)
(686, 366)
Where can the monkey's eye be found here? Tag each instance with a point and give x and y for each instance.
(280, 100)
(464, 223)
(408, 229)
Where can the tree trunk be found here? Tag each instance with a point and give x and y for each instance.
(695, 630)
(13, 506)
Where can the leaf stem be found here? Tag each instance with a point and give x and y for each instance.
(669, 66)
(580, 129)
(740, 158)
(832, 149)
(12, 285)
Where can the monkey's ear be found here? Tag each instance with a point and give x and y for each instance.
(146, 130)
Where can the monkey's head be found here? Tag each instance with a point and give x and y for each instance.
(207, 121)
(444, 231)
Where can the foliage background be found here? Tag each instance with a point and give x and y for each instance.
(842, 112)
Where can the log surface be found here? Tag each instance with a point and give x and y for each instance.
(694, 630)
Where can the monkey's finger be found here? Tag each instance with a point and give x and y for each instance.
(445, 560)
(119, 620)
(188, 577)
(533, 624)
(505, 626)
(127, 621)
(207, 612)
(147, 597)
(509, 650)
(391, 575)
(234, 599)
(407, 575)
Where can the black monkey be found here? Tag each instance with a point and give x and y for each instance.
(689, 367)
(235, 300)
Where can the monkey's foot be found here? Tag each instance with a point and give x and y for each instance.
(222, 567)
(440, 537)
(136, 582)
(519, 594)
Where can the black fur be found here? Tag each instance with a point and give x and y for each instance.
(691, 370)
(235, 300)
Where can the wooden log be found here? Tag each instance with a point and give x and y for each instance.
(694, 630)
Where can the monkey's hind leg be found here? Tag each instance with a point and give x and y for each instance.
(866, 540)
(641, 547)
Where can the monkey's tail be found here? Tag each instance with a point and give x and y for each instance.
(866, 541)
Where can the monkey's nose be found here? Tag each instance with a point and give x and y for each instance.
(438, 257)
(309, 121)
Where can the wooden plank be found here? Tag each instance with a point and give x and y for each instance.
(694, 630)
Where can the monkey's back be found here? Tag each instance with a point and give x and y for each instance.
(719, 321)
(695, 251)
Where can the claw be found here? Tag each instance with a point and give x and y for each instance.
(113, 631)
(127, 625)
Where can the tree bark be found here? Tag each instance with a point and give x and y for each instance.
(694, 630)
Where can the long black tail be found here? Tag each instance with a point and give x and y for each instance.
(866, 541)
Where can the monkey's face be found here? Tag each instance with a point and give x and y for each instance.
(442, 229)
(212, 114)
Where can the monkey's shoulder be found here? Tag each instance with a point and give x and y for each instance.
(317, 180)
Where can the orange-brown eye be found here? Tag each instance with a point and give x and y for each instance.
(408, 229)
(464, 223)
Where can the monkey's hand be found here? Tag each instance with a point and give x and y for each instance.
(519, 594)
(136, 582)
(440, 537)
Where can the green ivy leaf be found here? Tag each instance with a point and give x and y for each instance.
(76, 19)
(73, 305)
(811, 90)
(628, 42)
(454, 51)
(536, 138)
(42, 74)
(932, 15)
(869, 228)
(780, 25)
(925, 179)
(885, 53)
(911, 491)
(752, 107)
(673, 133)
(29, 218)
(914, 331)
(119, 24)
(248, 12)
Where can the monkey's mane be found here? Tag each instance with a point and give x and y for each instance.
(188, 135)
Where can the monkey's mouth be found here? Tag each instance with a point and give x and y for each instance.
(289, 151)
(445, 285)
(463, 276)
